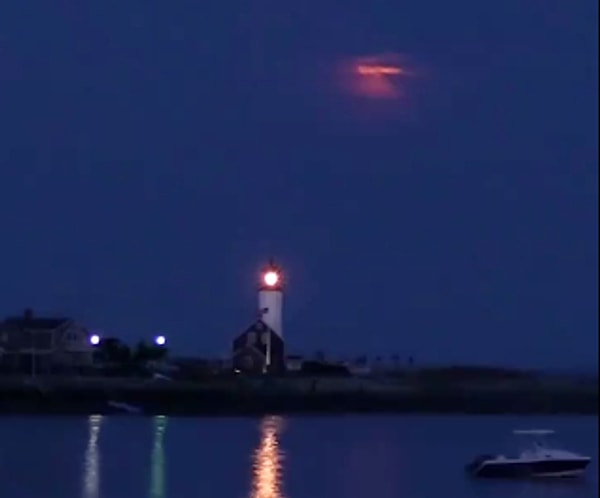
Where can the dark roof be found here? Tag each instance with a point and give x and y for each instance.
(258, 326)
(21, 322)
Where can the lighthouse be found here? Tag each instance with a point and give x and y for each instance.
(260, 348)
(270, 297)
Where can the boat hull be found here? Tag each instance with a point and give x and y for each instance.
(544, 468)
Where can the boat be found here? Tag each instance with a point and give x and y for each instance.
(537, 460)
(124, 407)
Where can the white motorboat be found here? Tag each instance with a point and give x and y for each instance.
(124, 407)
(536, 460)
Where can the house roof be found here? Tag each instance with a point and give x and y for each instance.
(258, 326)
(34, 323)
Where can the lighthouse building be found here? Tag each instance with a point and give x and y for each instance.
(260, 348)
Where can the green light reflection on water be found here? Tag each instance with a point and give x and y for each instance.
(157, 473)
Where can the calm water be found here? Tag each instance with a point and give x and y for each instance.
(296, 457)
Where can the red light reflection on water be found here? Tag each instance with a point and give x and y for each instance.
(268, 461)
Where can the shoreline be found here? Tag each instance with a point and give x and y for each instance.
(255, 397)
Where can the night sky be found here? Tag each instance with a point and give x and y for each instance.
(153, 155)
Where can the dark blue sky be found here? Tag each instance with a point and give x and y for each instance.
(154, 154)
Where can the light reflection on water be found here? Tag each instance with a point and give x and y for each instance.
(378, 458)
(267, 462)
(91, 467)
(91, 470)
(157, 473)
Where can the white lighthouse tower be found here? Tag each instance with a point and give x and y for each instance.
(270, 298)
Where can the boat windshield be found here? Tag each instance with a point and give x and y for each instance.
(536, 439)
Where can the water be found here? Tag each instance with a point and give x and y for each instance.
(296, 457)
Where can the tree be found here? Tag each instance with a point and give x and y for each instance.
(149, 352)
(113, 351)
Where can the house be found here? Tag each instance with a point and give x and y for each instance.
(258, 349)
(38, 344)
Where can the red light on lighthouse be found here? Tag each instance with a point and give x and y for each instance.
(271, 278)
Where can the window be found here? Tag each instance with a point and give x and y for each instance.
(251, 339)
